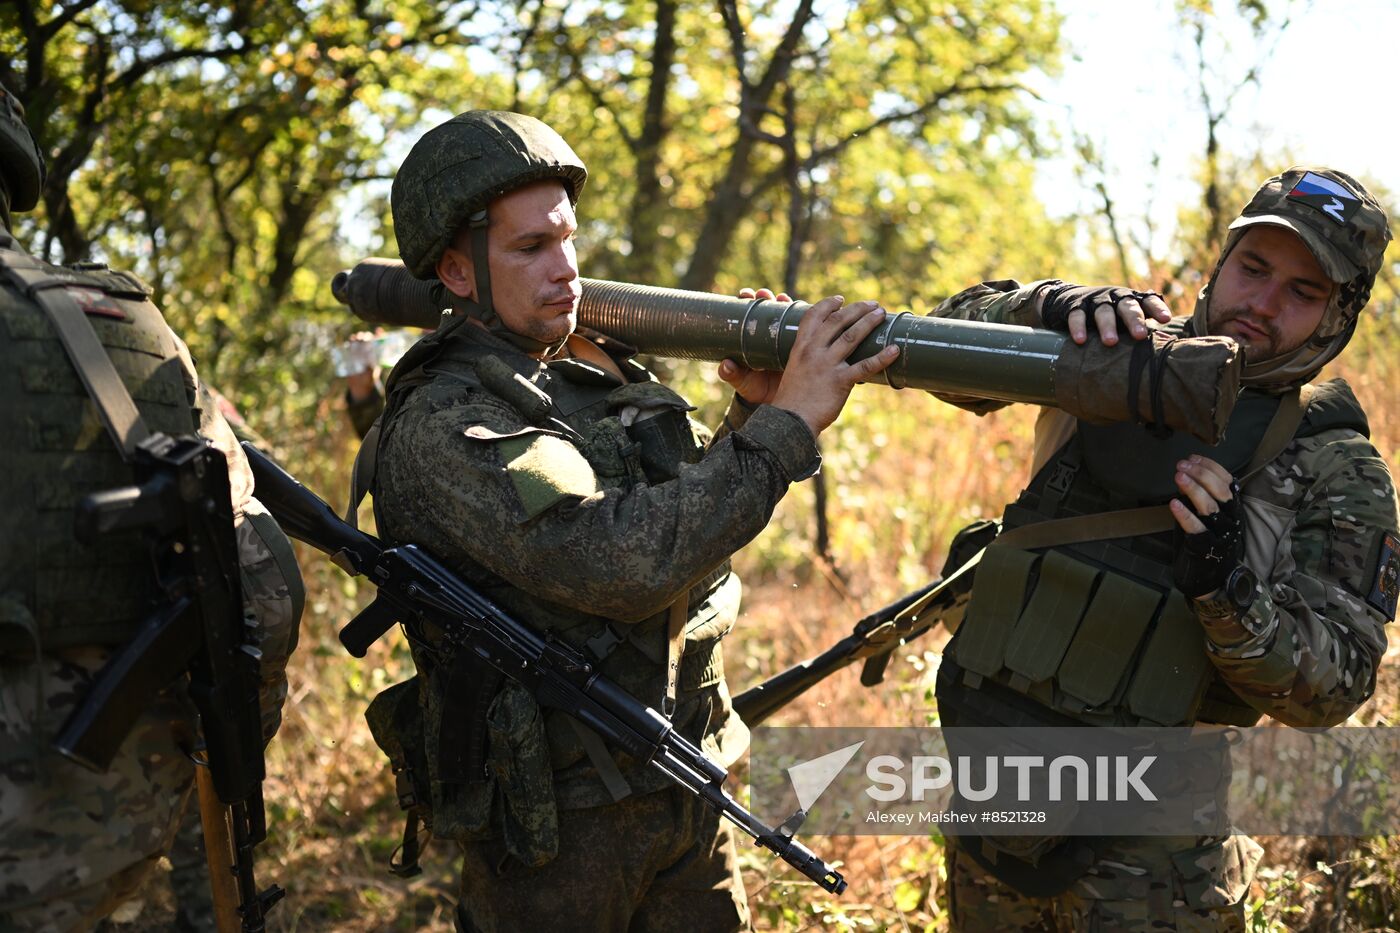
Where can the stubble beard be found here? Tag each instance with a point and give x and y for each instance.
(556, 327)
(1273, 342)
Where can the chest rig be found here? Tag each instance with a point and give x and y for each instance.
(472, 728)
(56, 592)
(631, 432)
(1070, 623)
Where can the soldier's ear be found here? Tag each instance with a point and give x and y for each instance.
(456, 271)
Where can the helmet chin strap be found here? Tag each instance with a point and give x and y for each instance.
(484, 308)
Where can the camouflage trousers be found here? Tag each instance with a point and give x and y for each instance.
(74, 844)
(1136, 884)
(650, 864)
(189, 875)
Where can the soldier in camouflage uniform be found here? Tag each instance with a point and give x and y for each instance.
(1270, 598)
(74, 844)
(564, 482)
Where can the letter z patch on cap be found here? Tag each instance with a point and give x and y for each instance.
(1326, 195)
(1384, 592)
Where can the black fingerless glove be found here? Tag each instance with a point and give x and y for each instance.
(1205, 560)
(1065, 297)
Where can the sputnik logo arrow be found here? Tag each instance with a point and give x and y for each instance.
(811, 778)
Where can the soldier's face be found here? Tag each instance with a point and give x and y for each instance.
(534, 271)
(1270, 294)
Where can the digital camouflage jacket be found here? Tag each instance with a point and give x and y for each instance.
(551, 509)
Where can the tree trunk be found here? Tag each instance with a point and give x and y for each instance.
(649, 203)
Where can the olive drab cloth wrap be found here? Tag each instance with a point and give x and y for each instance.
(74, 844)
(586, 507)
(1093, 632)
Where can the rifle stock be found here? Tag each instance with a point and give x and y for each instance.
(218, 852)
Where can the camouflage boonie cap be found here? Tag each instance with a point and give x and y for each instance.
(21, 163)
(461, 166)
(1343, 226)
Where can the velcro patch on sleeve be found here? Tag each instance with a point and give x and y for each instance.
(1384, 592)
(546, 470)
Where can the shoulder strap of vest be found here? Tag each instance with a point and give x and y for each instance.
(409, 372)
(1281, 430)
(412, 371)
(114, 403)
(362, 472)
(1131, 523)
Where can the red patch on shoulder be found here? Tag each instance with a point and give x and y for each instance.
(96, 303)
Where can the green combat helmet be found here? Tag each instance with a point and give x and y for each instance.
(452, 175)
(1345, 229)
(21, 163)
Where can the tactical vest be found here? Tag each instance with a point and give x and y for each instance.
(56, 592)
(1093, 632)
(589, 401)
(583, 403)
(455, 732)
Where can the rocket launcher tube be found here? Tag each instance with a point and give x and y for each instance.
(1014, 364)
(1189, 386)
(944, 356)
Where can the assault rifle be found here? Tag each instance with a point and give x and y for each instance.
(182, 504)
(877, 636)
(433, 603)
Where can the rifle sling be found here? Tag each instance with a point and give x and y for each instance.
(362, 472)
(608, 771)
(676, 617)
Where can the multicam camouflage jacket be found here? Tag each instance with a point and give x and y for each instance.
(1321, 536)
(536, 491)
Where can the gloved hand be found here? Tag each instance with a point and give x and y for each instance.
(1067, 307)
(1205, 559)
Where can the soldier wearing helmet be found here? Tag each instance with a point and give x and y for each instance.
(74, 844)
(1263, 593)
(558, 476)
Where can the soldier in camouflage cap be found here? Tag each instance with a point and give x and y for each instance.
(1269, 580)
(556, 475)
(74, 844)
(1343, 228)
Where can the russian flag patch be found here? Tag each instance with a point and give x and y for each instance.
(1326, 195)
